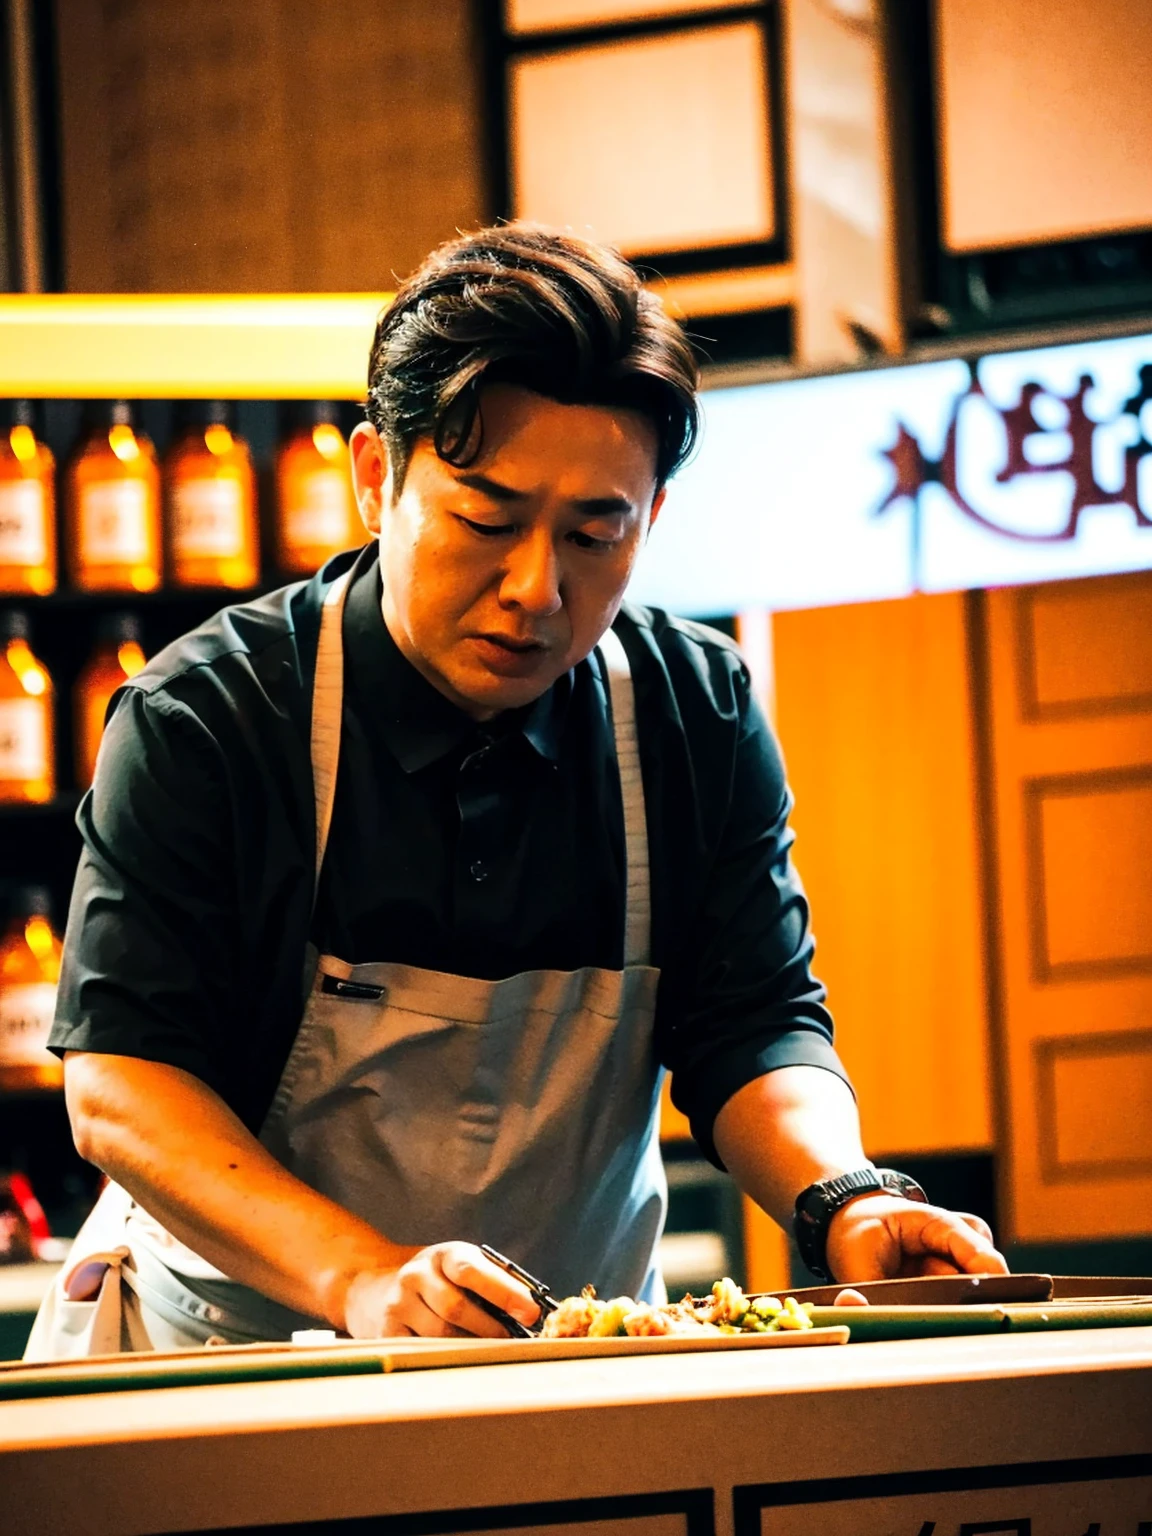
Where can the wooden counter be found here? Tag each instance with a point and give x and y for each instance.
(939, 1438)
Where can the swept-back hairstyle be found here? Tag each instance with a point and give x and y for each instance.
(523, 304)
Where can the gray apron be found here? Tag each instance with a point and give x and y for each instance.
(523, 1113)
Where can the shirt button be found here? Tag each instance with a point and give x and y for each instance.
(479, 871)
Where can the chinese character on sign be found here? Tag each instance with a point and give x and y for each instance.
(1033, 447)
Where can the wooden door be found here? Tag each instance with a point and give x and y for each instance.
(875, 719)
(1069, 822)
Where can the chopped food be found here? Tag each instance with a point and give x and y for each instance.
(725, 1310)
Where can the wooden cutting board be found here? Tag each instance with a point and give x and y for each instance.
(358, 1357)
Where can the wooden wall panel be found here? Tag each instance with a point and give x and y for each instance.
(1092, 910)
(273, 146)
(874, 716)
(1073, 796)
(1082, 652)
(1094, 1097)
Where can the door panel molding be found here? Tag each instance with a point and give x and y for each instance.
(1038, 703)
(1113, 1048)
(1037, 793)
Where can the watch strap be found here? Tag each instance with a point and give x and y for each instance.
(816, 1206)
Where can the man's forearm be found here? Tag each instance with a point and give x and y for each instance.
(785, 1130)
(182, 1153)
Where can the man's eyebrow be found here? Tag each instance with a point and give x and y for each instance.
(492, 488)
(604, 506)
(588, 506)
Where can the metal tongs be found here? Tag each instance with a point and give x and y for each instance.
(539, 1292)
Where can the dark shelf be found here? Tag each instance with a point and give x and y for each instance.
(64, 804)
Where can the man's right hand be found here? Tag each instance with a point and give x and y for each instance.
(429, 1296)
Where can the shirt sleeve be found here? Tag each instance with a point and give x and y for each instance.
(755, 1004)
(148, 958)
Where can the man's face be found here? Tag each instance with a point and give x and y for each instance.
(501, 575)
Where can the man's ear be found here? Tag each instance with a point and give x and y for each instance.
(371, 475)
(657, 503)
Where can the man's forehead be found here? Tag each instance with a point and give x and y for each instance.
(592, 450)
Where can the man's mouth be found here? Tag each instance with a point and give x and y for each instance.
(514, 643)
(509, 655)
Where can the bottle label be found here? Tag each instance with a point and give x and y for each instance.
(24, 739)
(318, 518)
(26, 1013)
(23, 525)
(114, 522)
(209, 519)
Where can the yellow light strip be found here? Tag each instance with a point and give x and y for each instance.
(164, 346)
(257, 346)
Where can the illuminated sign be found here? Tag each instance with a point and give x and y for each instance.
(1015, 467)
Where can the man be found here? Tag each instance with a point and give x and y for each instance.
(401, 885)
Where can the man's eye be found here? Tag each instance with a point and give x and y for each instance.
(487, 530)
(589, 541)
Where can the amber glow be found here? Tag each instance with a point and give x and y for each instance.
(39, 937)
(23, 443)
(328, 440)
(112, 488)
(27, 463)
(130, 657)
(122, 441)
(315, 509)
(30, 953)
(109, 667)
(22, 677)
(32, 675)
(211, 491)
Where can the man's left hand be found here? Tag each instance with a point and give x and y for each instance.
(883, 1237)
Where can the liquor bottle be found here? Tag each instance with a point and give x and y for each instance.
(316, 513)
(27, 739)
(211, 495)
(29, 971)
(117, 657)
(113, 504)
(27, 504)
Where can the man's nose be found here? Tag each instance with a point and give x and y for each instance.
(532, 576)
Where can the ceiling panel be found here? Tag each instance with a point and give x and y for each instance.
(1045, 119)
(655, 144)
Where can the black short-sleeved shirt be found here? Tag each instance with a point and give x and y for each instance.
(480, 850)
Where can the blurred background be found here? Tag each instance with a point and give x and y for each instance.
(912, 242)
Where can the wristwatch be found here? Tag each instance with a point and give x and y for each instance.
(816, 1206)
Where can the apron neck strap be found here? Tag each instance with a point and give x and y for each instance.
(638, 898)
(327, 715)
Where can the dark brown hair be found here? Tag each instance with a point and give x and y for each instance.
(523, 304)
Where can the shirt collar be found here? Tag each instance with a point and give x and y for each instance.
(415, 721)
